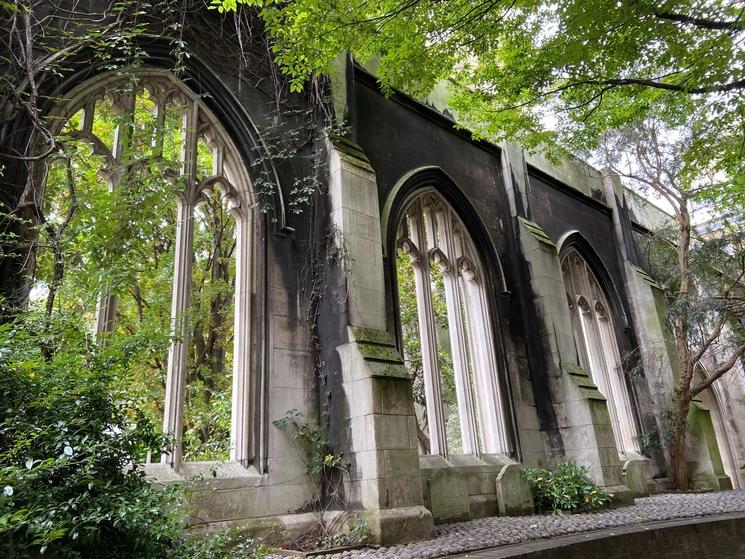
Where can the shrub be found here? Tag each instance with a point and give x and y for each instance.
(69, 441)
(565, 487)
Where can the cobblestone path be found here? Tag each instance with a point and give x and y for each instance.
(478, 534)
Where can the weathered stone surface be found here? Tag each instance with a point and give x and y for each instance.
(399, 525)
(448, 495)
(636, 474)
(513, 492)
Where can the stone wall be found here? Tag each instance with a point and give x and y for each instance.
(343, 366)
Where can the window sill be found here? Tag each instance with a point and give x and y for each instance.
(213, 475)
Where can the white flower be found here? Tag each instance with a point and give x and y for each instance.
(8, 491)
(68, 450)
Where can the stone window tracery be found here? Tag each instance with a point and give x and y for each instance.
(597, 346)
(151, 125)
(447, 334)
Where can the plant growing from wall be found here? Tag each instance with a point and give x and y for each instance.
(565, 487)
(326, 471)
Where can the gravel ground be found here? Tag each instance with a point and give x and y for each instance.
(495, 531)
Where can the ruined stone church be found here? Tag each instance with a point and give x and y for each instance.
(480, 310)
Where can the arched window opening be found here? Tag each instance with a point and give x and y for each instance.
(597, 347)
(447, 337)
(155, 212)
(715, 398)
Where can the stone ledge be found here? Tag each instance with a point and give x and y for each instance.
(537, 231)
(645, 276)
(214, 475)
(579, 377)
(379, 352)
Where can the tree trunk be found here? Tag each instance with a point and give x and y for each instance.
(679, 439)
(682, 392)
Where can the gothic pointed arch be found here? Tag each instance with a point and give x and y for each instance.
(152, 137)
(199, 78)
(596, 339)
(446, 318)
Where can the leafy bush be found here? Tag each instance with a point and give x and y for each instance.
(69, 482)
(565, 487)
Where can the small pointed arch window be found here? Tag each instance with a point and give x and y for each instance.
(597, 346)
(447, 336)
(165, 202)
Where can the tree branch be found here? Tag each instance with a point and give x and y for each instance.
(704, 23)
(719, 372)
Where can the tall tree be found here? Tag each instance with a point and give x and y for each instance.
(701, 270)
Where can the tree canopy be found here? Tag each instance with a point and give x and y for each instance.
(539, 72)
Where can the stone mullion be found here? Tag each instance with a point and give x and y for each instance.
(621, 395)
(584, 360)
(457, 337)
(241, 400)
(160, 126)
(106, 305)
(181, 300)
(425, 314)
(500, 436)
(218, 156)
(494, 435)
(598, 369)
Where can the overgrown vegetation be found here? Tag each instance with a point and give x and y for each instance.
(91, 224)
(70, 442)
(565, 488)
(539, 72)
(326, 470)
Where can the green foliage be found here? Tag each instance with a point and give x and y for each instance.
(69, 446)
(293, 137)
(565, 487)
(230, 544)
(591, 65)
(650, 441)
(321, 457)
(328, 467)
(356, 532)
(716, 260)
(96, 239)
(70, 440)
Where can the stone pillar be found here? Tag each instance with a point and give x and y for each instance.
(385, 480)
(636, 467)
(581, 411)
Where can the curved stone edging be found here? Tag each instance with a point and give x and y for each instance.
(498, 532)
(717, 537)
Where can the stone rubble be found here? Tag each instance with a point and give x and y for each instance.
(483, 533)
